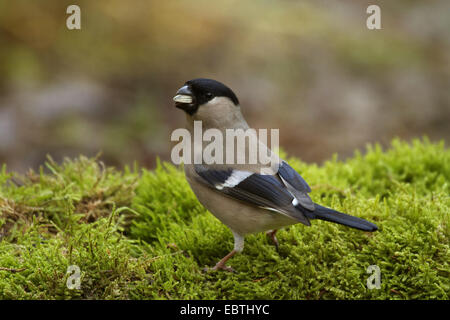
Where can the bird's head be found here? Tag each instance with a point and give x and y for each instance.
(200, 94)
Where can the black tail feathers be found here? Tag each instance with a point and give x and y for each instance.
(331, 215)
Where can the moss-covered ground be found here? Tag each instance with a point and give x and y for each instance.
(139, 234)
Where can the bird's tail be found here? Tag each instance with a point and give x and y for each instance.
(331, 215)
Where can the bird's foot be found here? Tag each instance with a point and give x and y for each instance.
(221, 264)
(272, 235)
(219, 267)
(222, 267)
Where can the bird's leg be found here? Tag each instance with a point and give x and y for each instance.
(238, 247)
(272, 235)
(221, 264)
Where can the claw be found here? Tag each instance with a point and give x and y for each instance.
(222, 267)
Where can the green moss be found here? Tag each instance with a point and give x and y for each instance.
(146, 236)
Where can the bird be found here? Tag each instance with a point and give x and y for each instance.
(244, 197)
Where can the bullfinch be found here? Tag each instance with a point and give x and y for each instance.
(246, 197)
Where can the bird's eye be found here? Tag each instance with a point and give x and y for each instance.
(209, 95)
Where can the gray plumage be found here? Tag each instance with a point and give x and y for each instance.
(239, 195)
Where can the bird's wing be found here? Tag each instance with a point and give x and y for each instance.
(296, 185)
(264, 191)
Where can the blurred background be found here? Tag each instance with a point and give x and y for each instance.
(310, 68)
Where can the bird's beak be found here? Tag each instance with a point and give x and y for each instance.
(183, 96)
